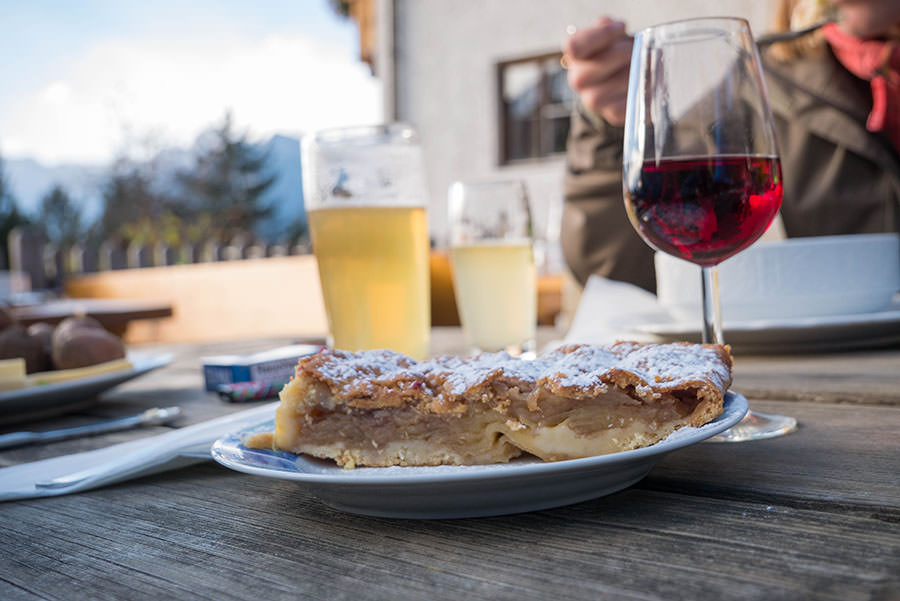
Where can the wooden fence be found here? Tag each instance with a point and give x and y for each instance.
(226, 296)
(48, 264)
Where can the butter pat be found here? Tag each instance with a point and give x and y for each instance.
(63, 375)
(12, 374)
(12, 368)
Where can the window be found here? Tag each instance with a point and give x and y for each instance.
(535, 102)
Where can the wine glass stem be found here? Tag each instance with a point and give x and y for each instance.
(712, 310)
(753, 426)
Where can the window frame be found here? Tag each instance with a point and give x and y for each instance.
(539, 129)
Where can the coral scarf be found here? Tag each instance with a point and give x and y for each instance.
(878, 62)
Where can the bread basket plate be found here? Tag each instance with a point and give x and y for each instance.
(464, 491)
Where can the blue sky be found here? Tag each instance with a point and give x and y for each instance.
(81, 80)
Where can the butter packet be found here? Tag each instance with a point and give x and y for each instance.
(271, 366)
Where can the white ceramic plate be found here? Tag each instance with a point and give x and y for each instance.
(796, 334)
(36, 401)
(464, 491)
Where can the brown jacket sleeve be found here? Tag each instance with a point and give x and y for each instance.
(595, 233)
(839, 178)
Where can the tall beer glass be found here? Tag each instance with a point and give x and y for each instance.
(365, 198)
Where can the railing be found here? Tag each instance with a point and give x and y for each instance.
(47, 264)
(85, 271)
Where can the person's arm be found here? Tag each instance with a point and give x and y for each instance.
(596, 235)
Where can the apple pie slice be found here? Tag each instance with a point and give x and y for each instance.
(380, 408)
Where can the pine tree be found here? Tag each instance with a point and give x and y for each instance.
(59, 218)
(10, 216)
(227, 182)
(4, 186)
(130, 202)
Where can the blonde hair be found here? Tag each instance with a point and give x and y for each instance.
(797, 14)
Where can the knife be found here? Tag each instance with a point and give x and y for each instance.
(150, 417)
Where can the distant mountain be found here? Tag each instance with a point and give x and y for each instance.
(286, 194)
(29, 180)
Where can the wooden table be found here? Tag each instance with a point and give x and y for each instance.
(812, 515)
(113, 314)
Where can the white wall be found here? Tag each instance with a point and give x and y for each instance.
(446, 52)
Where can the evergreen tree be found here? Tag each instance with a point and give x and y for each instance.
(340, 7)
(10, 216)
(130, 202)
(297, 232)
(4, 186)
(59, 218)
(227, 182)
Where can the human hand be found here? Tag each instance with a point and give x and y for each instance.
(598, 59)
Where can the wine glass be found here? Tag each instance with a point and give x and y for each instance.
(701, 173)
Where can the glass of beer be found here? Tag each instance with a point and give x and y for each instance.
(365, 198)
(492, 257)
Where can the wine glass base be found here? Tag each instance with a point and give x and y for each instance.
(757, 426)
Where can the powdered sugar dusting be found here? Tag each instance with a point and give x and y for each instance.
(460, 374)
(584, 368)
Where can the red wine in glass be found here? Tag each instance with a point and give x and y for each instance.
(704, 209)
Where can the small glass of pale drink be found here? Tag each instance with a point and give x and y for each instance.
(492, 257)
(365, 199)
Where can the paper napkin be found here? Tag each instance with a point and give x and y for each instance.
(92, 469)
(608, 310)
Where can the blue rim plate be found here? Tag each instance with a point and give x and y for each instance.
(464, 491)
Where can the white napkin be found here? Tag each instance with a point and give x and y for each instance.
(92, 469)
(609, 309)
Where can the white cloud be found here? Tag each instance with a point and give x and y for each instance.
(173, 90)
(56, 94)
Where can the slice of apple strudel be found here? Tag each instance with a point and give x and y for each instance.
(380, 408)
